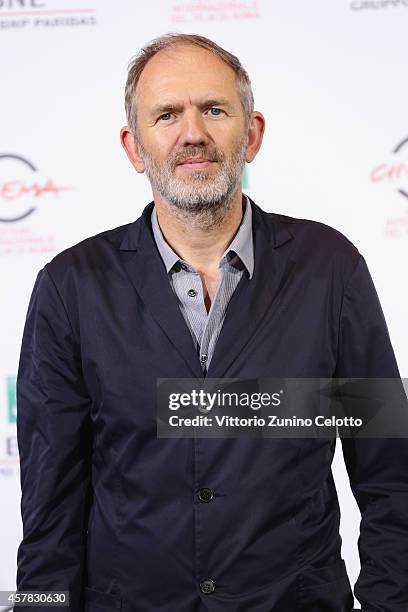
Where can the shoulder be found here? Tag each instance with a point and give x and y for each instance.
(313, 242)
(311, 230)
(89, 255)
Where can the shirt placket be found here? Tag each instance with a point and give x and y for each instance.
(211, 324)
(189, 290)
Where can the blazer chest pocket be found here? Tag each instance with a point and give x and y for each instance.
(326, 589)
(98, 601)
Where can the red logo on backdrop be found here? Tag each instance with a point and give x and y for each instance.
(214, 10)
(22, 188)
(395, 171)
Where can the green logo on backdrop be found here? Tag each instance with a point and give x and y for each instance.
(11, 399)
(245, 178)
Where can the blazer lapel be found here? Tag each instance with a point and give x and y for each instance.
(148, 276)
(254, 299)
(251, 301)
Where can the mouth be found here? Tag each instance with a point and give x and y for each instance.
(196, 162)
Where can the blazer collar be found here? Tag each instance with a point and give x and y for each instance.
(250, 302)
(275, 231)
(241, 245)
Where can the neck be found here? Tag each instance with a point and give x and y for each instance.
(200, 240)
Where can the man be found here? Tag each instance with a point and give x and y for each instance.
(203, 284)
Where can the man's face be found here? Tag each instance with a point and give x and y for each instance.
(191, 128)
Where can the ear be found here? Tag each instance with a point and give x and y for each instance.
(131, 146)
(256, 130)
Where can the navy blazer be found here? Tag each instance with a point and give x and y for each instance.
(114, 514)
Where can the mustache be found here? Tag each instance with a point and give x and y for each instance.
(211, 154)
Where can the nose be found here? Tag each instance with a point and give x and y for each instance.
(193, 129)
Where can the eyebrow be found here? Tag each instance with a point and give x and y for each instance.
(166, 107)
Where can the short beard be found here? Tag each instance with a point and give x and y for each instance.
(202, 198)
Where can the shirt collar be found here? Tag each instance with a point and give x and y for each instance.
(242, 244)
(167, 254)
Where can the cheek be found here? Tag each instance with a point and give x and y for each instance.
(228, 140)
(158, 144)
(165, 150)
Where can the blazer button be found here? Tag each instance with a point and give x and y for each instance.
(205, 494)
(207, 586)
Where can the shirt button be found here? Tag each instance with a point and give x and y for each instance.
(205, 495)
(203, 359)
(204, 406)
(192, 292)
(207, 586)
(183, 266)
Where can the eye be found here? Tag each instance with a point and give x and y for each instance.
(217, 112)
(165, 116)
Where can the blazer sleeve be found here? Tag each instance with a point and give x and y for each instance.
(377, 468)
(53, 434)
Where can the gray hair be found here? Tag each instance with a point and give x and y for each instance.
(140, 60)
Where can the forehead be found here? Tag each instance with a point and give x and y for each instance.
(186, 71)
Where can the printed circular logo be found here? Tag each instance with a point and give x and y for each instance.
(22, 188)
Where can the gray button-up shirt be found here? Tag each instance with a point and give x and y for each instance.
(186, 283)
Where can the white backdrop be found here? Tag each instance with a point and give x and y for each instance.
(330, 78)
